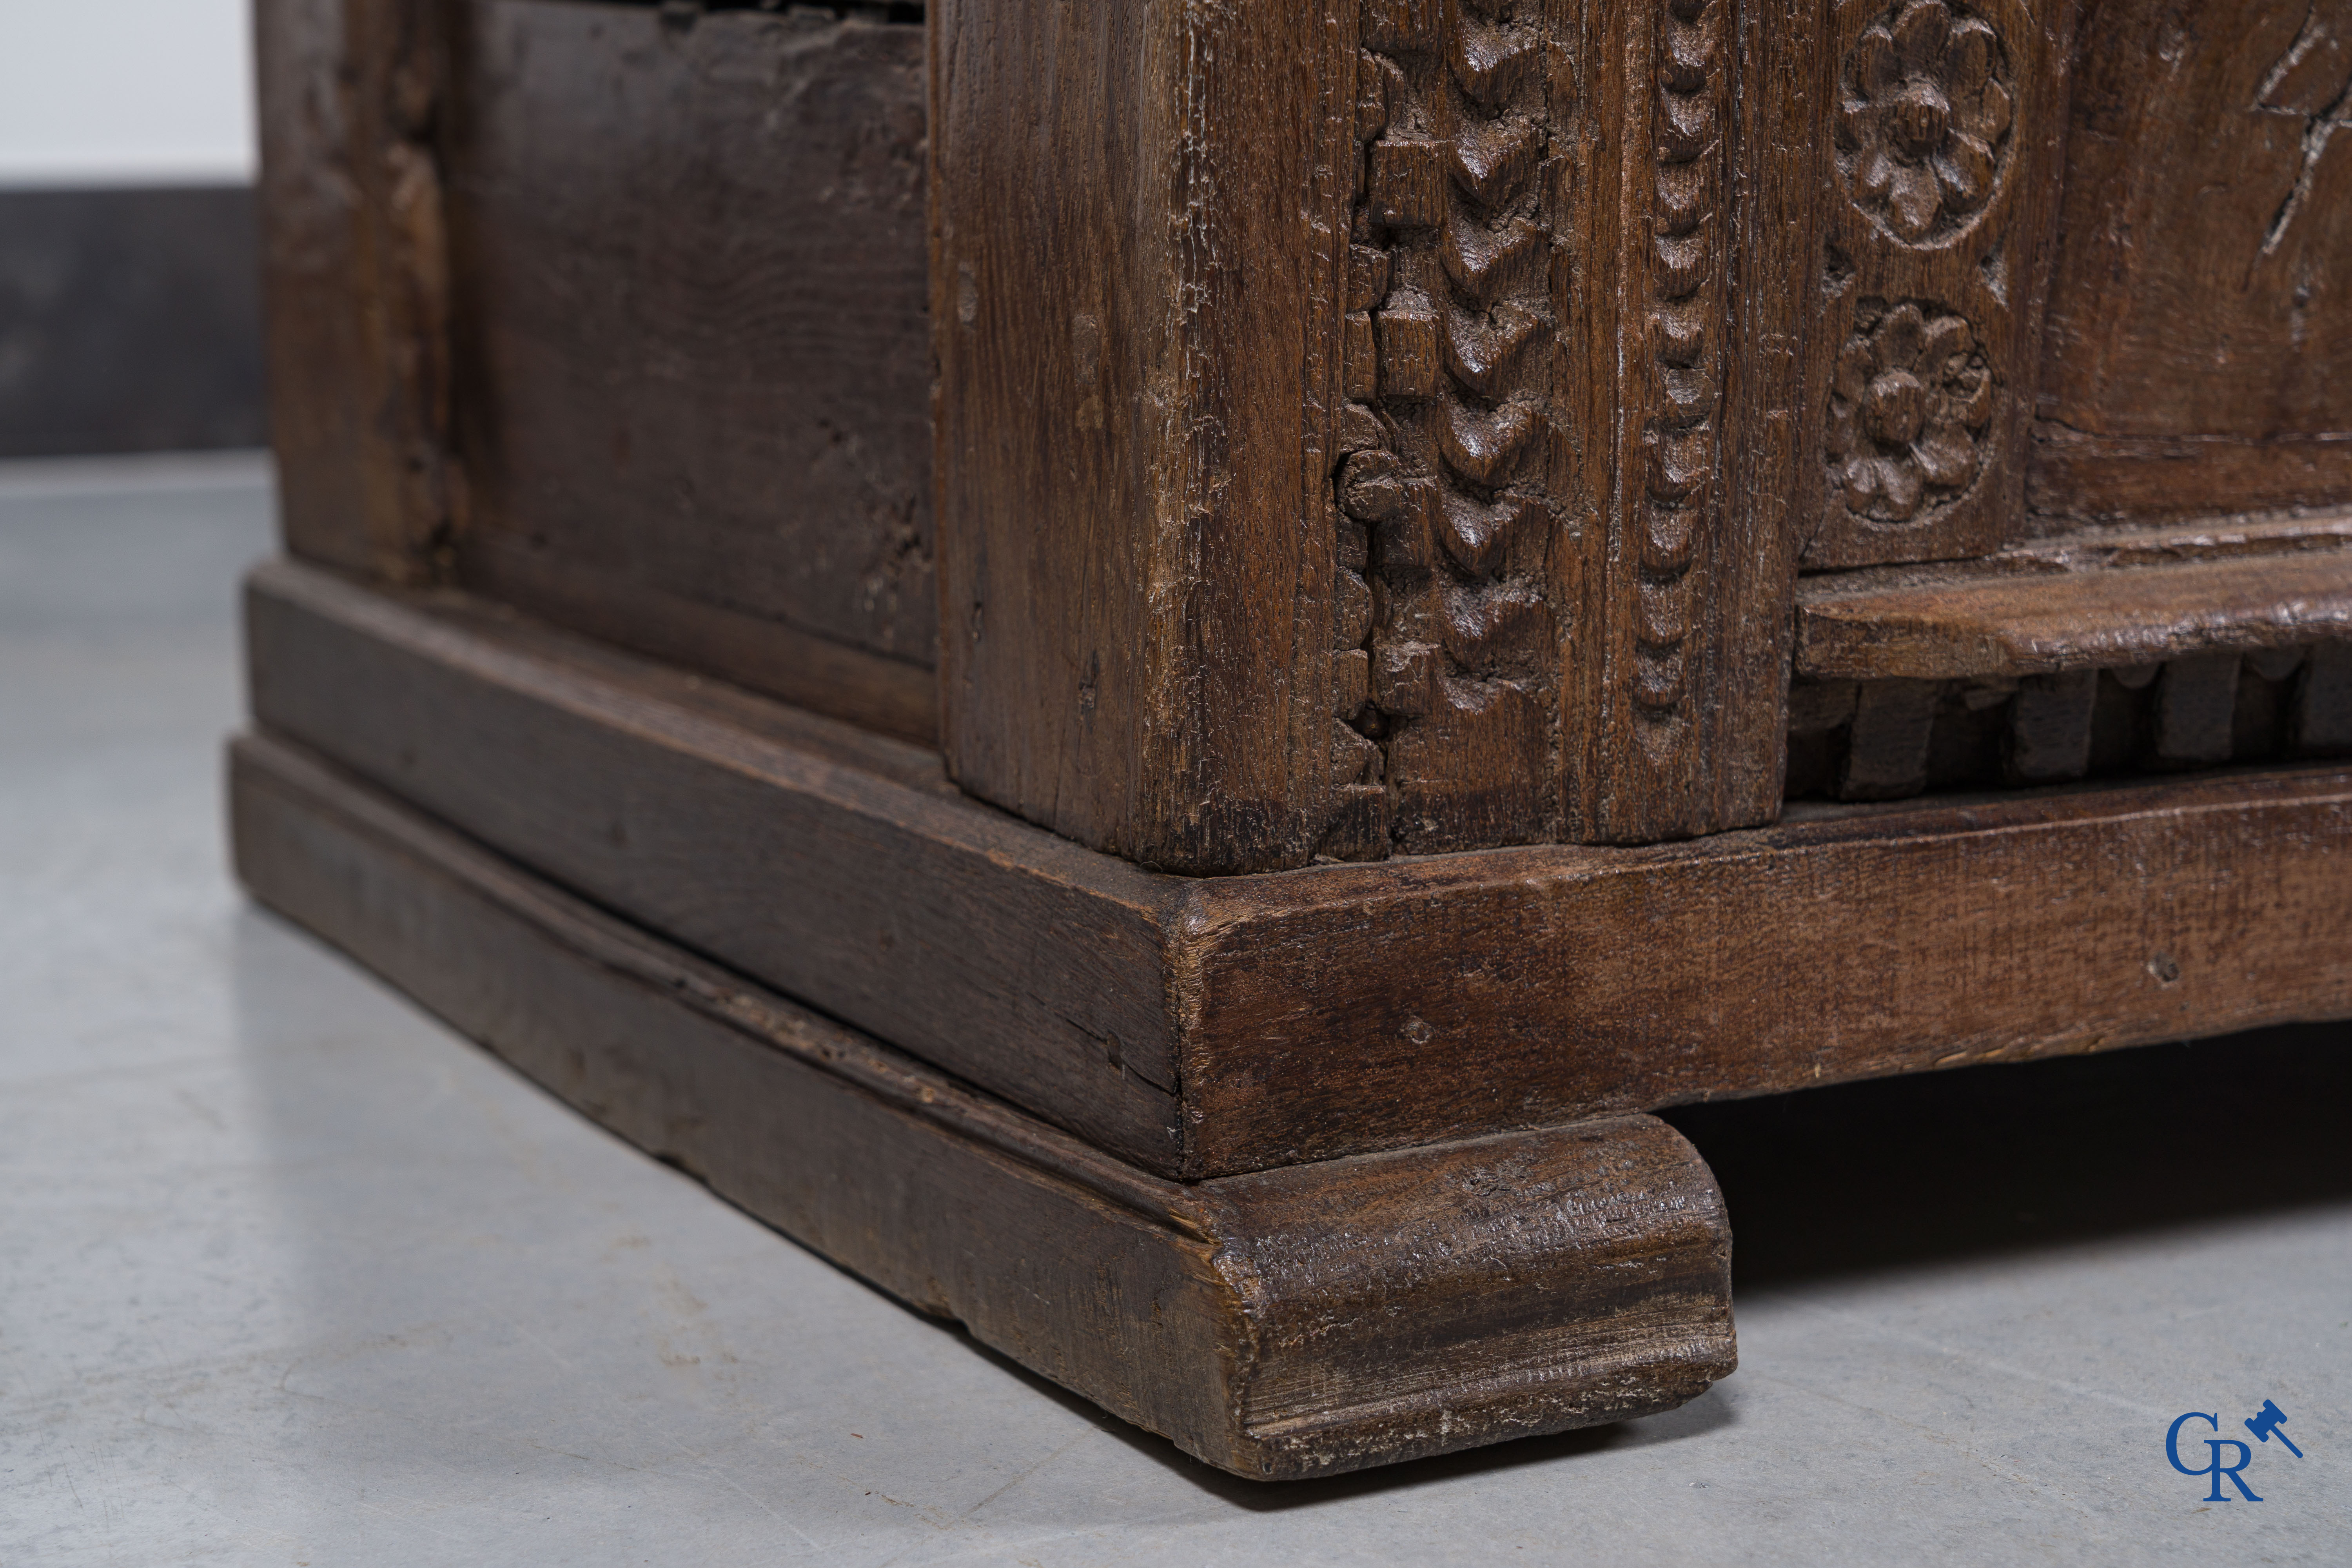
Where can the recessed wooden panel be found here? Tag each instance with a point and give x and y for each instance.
(694, 363)
(2200, 320)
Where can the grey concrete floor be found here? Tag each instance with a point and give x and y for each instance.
(290, 1274)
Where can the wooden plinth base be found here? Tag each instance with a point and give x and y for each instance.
(1297, 1321)
(1207, 1026)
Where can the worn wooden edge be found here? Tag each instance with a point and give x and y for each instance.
(356, 280)
(2019, 625)
(1307, 1014)
(1519, 986)
(1294, 1323)
(890, 695)
(2181, 541)
(782, 844)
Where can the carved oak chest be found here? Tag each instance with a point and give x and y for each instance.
(1150, 667)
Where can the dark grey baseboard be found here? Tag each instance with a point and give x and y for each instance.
(130, 321)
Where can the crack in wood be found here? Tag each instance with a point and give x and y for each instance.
(2320, 126)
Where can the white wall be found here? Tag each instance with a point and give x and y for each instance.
(121, 92)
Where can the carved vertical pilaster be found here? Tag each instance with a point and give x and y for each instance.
(1942, 168)
(1689, 321)
(1673, 418)
(1454, 440)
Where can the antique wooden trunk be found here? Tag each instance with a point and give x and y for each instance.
(1150, 667)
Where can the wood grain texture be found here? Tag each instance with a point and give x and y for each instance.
(694, 341)
(622, 779)
(2032, 624)
(1944, 152)
(765, 654)
(1783, 84)
(1136, 276)
(2079, 479)
(2172, 542)
(2050, 733)
(1995, 929)
(1295, 1323)
(2202, 306)
(355, 274)
(1215, 1026)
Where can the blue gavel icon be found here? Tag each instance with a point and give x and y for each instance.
(2265, 1427)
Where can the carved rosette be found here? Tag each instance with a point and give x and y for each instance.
(1909, 410)
(1446, 638)
(1924, 112)
(1942, 154)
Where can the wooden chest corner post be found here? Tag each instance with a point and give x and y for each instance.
(1138, 258)
(1337, 411)
(356, 273)
(1371, 426)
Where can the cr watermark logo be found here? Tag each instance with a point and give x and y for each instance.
(2264, 1425)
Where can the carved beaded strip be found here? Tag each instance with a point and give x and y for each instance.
(1449, 412)
(1682, 436)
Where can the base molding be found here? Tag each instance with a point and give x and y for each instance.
(1206, 1027)
(1303, 1320)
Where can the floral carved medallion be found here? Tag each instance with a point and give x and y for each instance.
(1909, 410)
(1924, 115)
